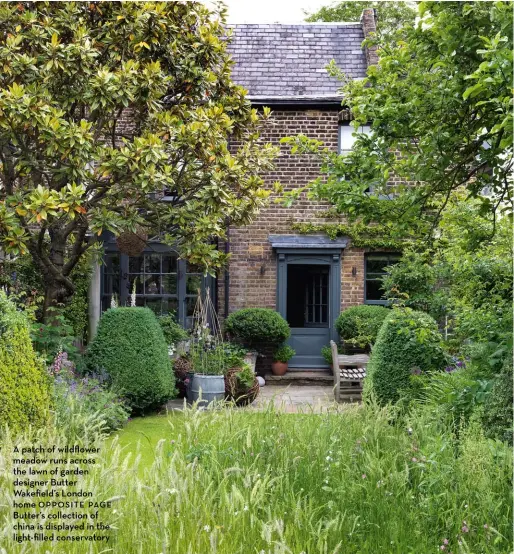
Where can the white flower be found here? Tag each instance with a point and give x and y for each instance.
(207, 528)
(245, 509)
(328, 459)
(236, 513)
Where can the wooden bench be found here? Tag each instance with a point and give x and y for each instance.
(349, 371)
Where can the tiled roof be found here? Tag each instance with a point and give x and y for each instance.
(288, 61)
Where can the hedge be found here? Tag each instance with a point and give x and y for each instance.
(130, 346)
(257, 326)
(359, 325)
(408, 343)
(24, 383)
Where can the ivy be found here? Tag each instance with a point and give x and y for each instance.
(362, 236)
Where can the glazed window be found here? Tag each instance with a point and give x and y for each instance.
(375, 269)
(162, 282)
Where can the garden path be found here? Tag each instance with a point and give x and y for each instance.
(290, 399)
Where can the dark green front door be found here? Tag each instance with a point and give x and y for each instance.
(309, 299)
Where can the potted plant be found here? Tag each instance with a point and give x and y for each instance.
(256, 328)
(281, 357)
(241, 385)
(208, 355)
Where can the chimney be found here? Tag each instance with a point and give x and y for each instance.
(369, 27)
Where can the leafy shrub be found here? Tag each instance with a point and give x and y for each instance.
(84, 407)
(283, 354)
(173, 331)
(497, 418)
(359, 325)
(257, 326)
(50, 338)
(408, 343)
(24, 384)
(246, 376)
(25, 286)
(130, 346)
(326, 352)
(241, 385)
(216, 360)
(455, 395)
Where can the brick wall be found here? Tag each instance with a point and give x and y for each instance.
(253, 265)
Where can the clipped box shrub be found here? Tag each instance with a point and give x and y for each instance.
(359, 325)
(24, 384)
(130, 346)
(257, 326)
(408, 343)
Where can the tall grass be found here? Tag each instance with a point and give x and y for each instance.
(243, 482)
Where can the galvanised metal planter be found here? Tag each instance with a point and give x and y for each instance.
(207, 387)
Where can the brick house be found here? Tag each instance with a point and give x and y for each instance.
(309, 279)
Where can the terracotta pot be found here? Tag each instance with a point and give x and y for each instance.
(279, 368)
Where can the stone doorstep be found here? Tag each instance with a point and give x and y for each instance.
(301, 378)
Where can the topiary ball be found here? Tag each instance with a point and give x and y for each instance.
(24, 383)
(408, 343)
(359, 325)
(257, 326)
(130, 346)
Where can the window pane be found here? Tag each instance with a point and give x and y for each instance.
(152, 263)
(324, 314)
(112, 263)
(139, 283)
(154, 305)
(190, 305)
(136, 264)
(374, 290)
(169, 284)
(193, 283)
(375, 265)
(152, 284)
(111, 283)
(169, 305)
(169, 264)
(193, 268)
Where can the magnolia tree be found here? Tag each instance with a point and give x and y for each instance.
(102, 107)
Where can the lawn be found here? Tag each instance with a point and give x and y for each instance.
(235, 481)
(141, 435)
(224, 481)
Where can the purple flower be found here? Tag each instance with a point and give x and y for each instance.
(465, 528)
(449, 369)
(460, 363)
(416, 371)
(446, 541)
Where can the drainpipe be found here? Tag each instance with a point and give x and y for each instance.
(227, 273)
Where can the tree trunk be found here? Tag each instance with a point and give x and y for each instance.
(58, 287)
(56, 295)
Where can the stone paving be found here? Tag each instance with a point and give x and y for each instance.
(290, 399)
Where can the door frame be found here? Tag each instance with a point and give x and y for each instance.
(311, 256)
